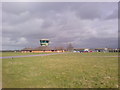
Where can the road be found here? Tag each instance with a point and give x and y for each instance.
(47, 55)
(29, 55)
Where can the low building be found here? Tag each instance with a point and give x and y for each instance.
(81, 50)
(40, 49)
(99, 49)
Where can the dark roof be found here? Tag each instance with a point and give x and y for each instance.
(27, 49)
(42, 48)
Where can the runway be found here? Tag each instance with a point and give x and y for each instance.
(47, 55)
(29, 55)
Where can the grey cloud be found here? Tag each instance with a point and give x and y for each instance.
(95, 10)
(15, 7)
(113, 14)
(82, 24)
(100, 42)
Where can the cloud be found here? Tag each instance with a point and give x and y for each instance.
(82, 24)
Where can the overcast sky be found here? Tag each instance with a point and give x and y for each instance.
(85, 25)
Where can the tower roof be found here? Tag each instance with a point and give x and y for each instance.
(44, 39)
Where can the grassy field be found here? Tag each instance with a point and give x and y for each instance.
(71, 70)
(0, 71)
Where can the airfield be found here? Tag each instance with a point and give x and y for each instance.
(60, 70)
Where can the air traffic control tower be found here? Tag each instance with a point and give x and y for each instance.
(44, 42)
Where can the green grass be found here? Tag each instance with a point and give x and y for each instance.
(71, 70)
(0, 73)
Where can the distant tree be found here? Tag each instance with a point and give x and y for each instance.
(70, 47)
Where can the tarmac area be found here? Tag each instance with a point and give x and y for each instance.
(47, 55)
(29, 55)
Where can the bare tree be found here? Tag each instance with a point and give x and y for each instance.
(70, 47)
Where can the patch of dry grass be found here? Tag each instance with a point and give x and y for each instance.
(71, 70)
